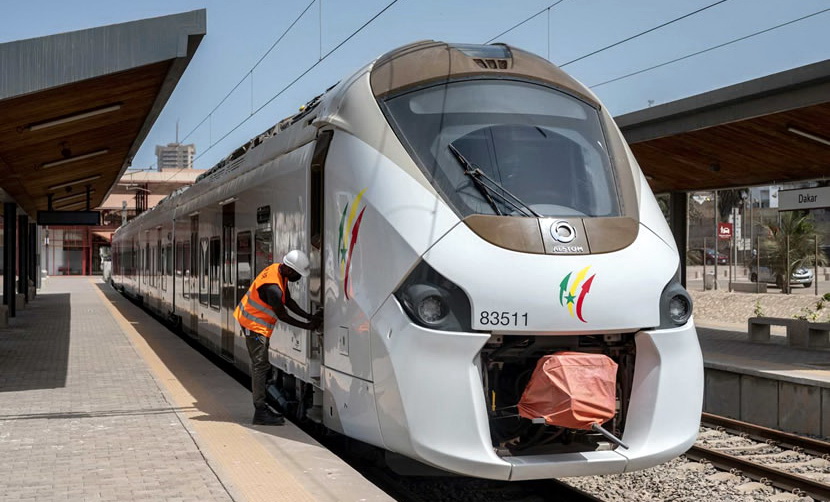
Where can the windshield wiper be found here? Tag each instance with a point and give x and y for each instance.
(493, 189)
(469, 170)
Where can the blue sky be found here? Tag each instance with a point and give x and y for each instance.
(241, 31)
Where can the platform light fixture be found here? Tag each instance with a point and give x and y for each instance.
(76, 158)
(70, 197)
(805, 134)
(72, 118)
(75, 182)
(71, 204)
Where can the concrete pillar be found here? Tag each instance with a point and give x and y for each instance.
(23, 253)
(9, 255)
(34, 263)
(678, 210)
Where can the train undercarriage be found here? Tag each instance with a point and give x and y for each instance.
(508, 362)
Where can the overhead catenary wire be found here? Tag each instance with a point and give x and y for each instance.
(249, 73)
(548, 8)
(580, 58)
(718, 46)
(290, 84)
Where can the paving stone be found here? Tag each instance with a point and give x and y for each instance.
(79, 409)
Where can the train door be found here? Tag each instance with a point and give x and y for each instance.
(316, 287)
(228, 300)
(316, 201)
(192, 304)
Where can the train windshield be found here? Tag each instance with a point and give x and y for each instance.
(508, 147)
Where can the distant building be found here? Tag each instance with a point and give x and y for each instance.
(76, 250)
(175, 156)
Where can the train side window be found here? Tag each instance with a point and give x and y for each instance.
(243, 264)
(203, 272)
(162, 268)
(318, 161)
(179, 258)
(159, 257)
(186, 259)
(264, 254)
(215, 269)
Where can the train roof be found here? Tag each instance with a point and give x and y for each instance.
(410, 66)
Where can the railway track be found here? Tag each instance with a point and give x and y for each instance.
(786, 461)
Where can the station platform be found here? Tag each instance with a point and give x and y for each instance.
(769, 384)
(98, 401)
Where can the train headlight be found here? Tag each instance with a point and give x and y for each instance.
(675, 305)
(428, 303)
(679, 309)
(432, 301)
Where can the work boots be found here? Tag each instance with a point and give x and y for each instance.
(264, 416)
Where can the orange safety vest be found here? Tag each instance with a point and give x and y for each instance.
(253, 313)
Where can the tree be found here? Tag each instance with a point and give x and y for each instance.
(795, 235)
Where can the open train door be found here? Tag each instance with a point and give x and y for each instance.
(316, 286)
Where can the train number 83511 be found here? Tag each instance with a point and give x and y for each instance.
(502, 318)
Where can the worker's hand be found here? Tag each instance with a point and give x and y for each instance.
(318, 314)
(315, 323)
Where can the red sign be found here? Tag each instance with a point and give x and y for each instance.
(724, 231)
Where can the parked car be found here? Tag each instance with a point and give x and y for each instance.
(696, 256)
(801, 275)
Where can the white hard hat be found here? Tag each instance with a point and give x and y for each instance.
(298, 261)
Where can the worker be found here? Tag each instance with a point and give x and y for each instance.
(267, 300)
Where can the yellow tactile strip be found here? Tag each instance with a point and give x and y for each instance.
(252, 473)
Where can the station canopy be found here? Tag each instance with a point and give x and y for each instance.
(76, 106)
(770, 130)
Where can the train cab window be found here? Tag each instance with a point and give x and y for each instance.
(263, 250)
(204, 270)
(215, 257)
(542, 145)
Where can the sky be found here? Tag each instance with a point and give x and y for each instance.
(241, 32)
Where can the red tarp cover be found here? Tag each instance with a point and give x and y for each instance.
(571, 389)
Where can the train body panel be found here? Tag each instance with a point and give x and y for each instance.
(442, 287)
(557, 294)
(365, 214)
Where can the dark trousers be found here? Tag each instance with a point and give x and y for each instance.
(260, 366)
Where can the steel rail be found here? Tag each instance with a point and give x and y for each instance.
(794, 483)
(785, 440)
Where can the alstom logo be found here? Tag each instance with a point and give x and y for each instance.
(572, 293)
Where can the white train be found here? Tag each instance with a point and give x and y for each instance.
(468, 209)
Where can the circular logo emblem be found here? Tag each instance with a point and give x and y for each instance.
(563, 232)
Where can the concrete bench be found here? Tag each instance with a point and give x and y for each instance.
(749, 287)
(800, 333)
(818, 334)
(758, 327)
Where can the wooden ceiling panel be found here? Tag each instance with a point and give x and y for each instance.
(754, 151)
(23, 152)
